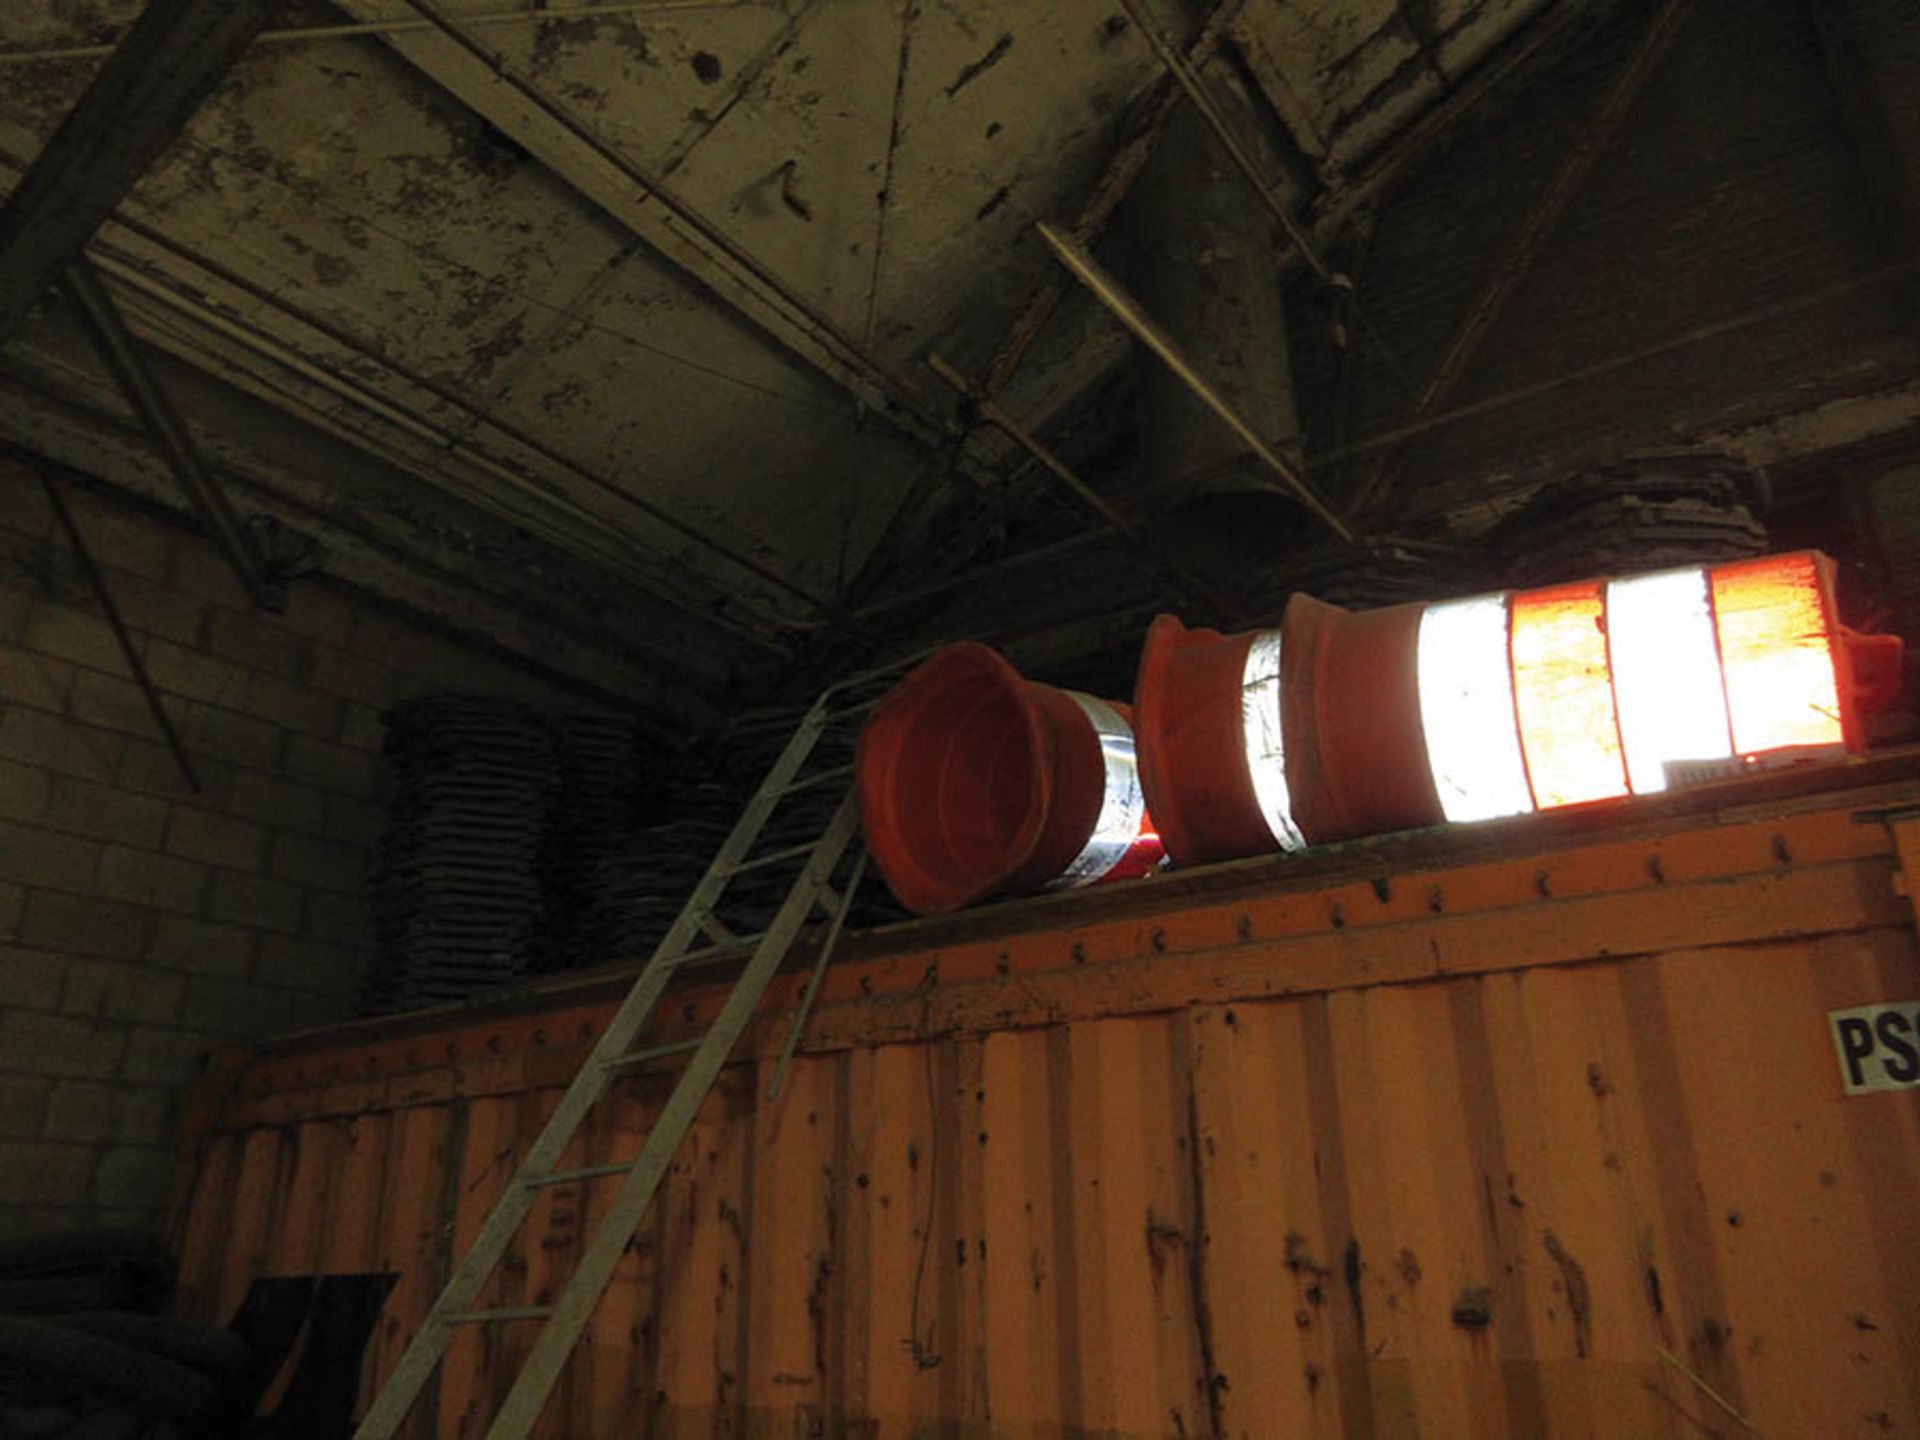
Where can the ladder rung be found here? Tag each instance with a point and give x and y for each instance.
(654, 1052)
(792, 852)
(510, 1312)
(839, 772)
(858, 706)
(585, 1172)
(740, 949)
(717, 930)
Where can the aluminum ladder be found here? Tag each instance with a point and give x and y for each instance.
(565, 1319)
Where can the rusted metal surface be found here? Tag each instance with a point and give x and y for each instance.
(1541, 1139)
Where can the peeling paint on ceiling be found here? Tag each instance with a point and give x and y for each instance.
(886, 159)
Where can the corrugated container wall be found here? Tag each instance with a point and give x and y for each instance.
(1534, 1129)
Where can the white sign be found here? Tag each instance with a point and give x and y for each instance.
(1878, 1046)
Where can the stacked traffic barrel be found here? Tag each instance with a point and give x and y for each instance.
(975, 780)
(1338, 724)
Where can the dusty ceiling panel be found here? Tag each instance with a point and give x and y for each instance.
(660, 288)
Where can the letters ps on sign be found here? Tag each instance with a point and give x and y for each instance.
(1878, 1046)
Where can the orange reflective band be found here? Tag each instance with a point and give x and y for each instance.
(1777, 653)
(1563, 691)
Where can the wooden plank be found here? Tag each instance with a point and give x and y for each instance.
(865, 1002)
(1519, 1075)
(1875, 1138)
(1660, 1136)
(1391, 1154)
(1828, 900)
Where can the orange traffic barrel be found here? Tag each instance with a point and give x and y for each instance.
(1339, 724)
(975, 781)
(1277, 739)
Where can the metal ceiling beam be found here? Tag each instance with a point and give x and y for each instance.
(1147, 124)
(278, 302)
(203, 341)
(1143, 544)
(401, 560)
(1123, 167)
(1517, 263)
(1124, 308)
(489, 84)
(129, 651)
(120, 353)
(491, 419)
(140, 100)
(1189, 82)
(306, 34)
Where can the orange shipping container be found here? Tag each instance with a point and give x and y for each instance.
(1534, 1128)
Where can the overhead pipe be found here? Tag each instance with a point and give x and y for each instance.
(129, 651)
(976, 781)
(148, 399)
(990, 411)
(1200, 260)
(1185, 76)
(1336, 725)
(1124, 308)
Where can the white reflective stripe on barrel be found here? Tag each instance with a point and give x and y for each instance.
(1261, 735)
(1123, 806)
(1667, 688)
(1466, 710)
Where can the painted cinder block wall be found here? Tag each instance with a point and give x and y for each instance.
(141, 923)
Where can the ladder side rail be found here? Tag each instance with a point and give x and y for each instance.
(430, 1342)
(602, 1252)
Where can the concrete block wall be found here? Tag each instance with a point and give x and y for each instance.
(142, 923)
